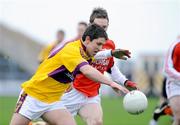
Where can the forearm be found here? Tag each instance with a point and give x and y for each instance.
(118, 53)
(117, 76)
(103, 54)
(95, 75)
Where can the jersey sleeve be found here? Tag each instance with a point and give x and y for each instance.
(111, 64)
(103, 54)
(72, 60)
(117, 76)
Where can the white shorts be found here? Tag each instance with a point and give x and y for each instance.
(172, 88)
(32, 108)
(75, 100)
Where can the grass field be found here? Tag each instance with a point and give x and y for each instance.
(114, 113)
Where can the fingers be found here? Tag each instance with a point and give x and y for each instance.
(119, 89)
(123, 54)
(123, 58)
(131, 88)
(127, 53)
(124, 90)
(119, 93)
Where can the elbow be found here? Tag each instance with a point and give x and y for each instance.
(85, 70)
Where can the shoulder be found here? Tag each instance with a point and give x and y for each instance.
(109, 44)
(73, 45)
(66, 48)
(72, 48)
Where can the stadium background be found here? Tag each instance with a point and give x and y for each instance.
(145, 27)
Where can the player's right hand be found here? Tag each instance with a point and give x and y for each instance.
(130, 85)
(118, 88)
(121, 53)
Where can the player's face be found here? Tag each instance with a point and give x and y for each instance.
(102, 22)
(94, 46)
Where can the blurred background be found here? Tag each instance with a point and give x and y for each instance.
(145, 27)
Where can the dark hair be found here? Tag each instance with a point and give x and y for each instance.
(94, 32)
(83, 23)
(98, 13)
(61, 31)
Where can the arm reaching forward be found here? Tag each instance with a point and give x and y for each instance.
(95, 75)
(118, 53)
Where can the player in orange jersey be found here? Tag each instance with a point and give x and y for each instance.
(84, 98)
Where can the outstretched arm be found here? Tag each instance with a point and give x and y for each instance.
(118, 77)
(118, 53)
(95, 75)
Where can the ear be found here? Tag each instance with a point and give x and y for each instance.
(87, 39)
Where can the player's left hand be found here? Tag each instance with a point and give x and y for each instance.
(130, 85)
(121, 53)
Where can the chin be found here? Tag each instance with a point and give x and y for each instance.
(88, 54)
(91, 55)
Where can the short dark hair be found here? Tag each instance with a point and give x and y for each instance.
(83, 23)
(98, 13)
(94, 32)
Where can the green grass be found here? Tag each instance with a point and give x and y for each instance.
(114, 114)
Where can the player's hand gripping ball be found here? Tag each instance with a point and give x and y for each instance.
(135, 102)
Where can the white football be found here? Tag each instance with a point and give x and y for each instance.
(135, 102)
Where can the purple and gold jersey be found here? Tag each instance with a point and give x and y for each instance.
(53, 76)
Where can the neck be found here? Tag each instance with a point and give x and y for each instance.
(84, 45)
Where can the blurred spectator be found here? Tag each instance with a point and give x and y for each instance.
(81, 27)
(45, 51)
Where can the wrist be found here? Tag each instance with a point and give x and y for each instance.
(125, 82)
(111, 52)
(107, 53)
